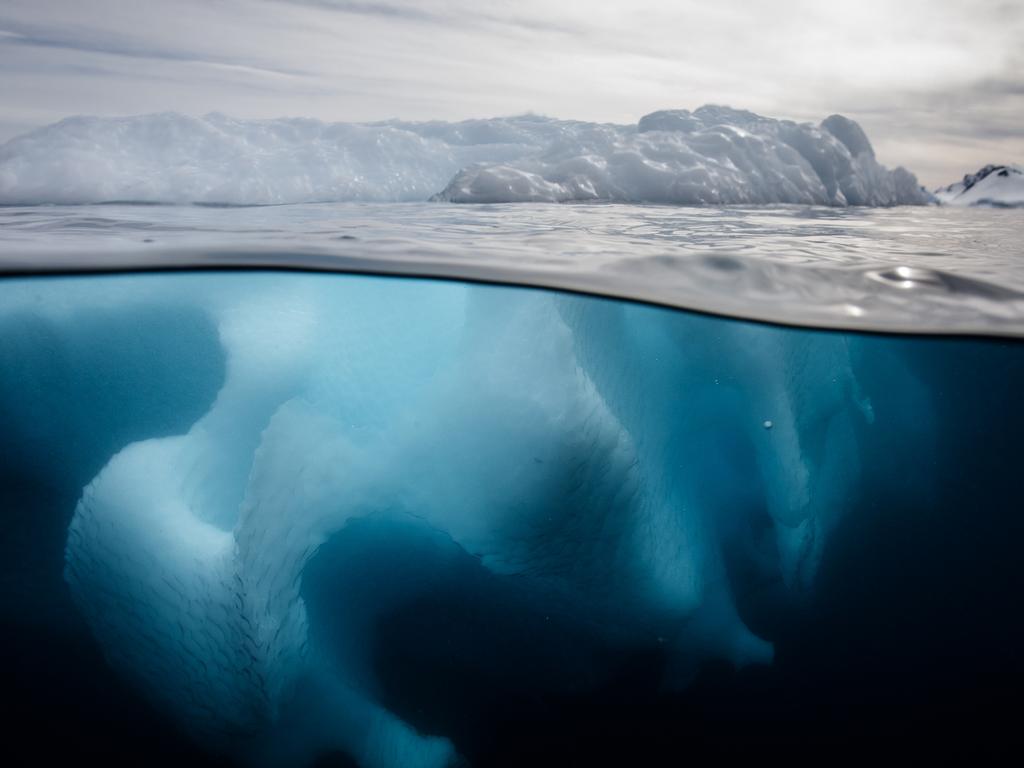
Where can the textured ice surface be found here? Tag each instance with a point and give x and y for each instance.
(609, 460)
(1000, 186)
(712, 155)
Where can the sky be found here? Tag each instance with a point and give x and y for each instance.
(937, 84)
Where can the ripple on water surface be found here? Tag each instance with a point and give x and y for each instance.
(906, 269)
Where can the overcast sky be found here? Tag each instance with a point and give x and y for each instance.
(938, 84)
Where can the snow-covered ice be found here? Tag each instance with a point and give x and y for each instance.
(715, 155)
(994, 185)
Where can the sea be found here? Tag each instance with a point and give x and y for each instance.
(425, 484)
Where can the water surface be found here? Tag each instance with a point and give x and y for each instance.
(919, 269)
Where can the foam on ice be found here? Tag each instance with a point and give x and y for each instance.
(714, 155)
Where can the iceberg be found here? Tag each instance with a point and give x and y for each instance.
(994, 186)
(612, 461)
(713, 155)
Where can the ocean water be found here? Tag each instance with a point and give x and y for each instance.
(398, 485)
(820, 266)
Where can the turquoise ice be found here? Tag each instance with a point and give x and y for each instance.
(606, 457)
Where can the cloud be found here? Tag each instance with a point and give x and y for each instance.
(448, 14)
(14, 33)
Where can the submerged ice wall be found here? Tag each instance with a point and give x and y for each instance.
(608, 459)
(714, 155)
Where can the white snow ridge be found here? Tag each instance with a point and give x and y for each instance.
(714, 155)
(996, 186)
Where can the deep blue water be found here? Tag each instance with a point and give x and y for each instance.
(552, 529)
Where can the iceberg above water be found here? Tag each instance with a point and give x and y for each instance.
(713, 155)
(996, 186)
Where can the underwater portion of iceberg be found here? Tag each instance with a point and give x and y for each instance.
(607, 478)
(714, 155)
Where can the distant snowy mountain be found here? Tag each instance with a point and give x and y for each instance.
(998, 186)
(713, 155)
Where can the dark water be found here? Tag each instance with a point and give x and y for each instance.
(574, 534)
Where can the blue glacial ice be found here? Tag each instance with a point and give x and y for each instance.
(714, 155)
(607, 459)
